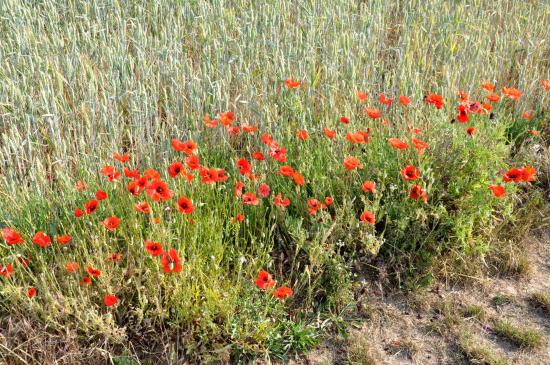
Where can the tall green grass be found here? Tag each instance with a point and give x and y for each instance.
(80, 80)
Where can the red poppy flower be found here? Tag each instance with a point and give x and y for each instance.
(63, 239)
(528, 116)
(111, 223)
(397, 143)
(142, 181)
(298, 178)
(529, 173)
(121, 157)
(170, 261)
(154, 248)
(362, 96)
(292, 84)
(23, 261)
(250, 199)
(42, 239)
(498, 190)
(114, 257)
(264, 190)
(185, 205)
(302, 134)
(417, 191)
(471, 131)
(78, 213)
(344, 120)
(264, 280)
(93, 271)
(176, 169)
(384, 100)
(492, 97)
(91, 206)
(351, 163)
(109, 300)
(134, 188)
(238, 189)
(142, 207)
(192, 162)
(6, 271)
(267, 139)
(31, 292)
(110, 172)
(212, 175)
(151, 174)
(410, 172)
(226, 118)
(373, 113)
(314, 206)
(249, 128)
(283, 292)
(419, 145)
(463, 115)
(358, 137)
(244, 166)
(208, 176)
(258, 156)
(330, 134)
(369, 187)
(512, 93)
(158, 190)
(488, 86)
(368, 217)
(100, 195)
(210, 123)
(435, 100)
(278, 153)
(233, 130)
(280, 201)
(71, 266)
(515, 175)
(404, 100)
(86, 280)
(131, 173)
(286, 171)
(239, 217)
(328, 201)
(188, 147)
(11, 236)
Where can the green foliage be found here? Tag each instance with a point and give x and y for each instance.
(80, 80)
(522, 337)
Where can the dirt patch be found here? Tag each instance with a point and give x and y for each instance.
(451, 325)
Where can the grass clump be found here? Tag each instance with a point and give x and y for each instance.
(541, 300)
(359, 350)
(522, 337)
(475, 311)
(501, 299)
(477, 353)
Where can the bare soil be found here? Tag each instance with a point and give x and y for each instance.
(426, 327)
